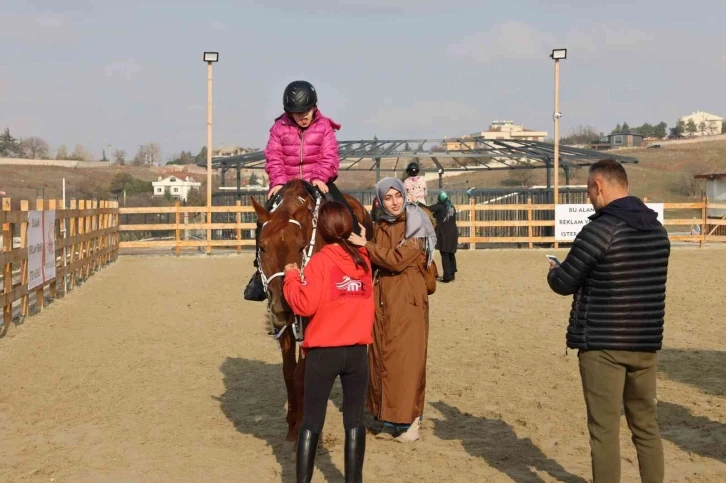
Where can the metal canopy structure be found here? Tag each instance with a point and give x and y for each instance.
(474, 155)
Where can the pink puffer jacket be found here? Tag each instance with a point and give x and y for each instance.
(309, 154)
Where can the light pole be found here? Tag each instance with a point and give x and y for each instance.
(557, 55)
(210, 58)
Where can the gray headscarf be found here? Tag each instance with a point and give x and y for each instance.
(418, 224)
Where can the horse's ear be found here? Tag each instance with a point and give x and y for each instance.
(262, 214)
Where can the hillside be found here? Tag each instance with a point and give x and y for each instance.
(662, 175)
(21, 182)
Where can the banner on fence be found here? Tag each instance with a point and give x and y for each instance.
(41, 247)
(569, 219)
(35, 249)
(49, 245)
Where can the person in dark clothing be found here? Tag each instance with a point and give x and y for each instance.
(337, 295)
(617, 271)
(447, 234)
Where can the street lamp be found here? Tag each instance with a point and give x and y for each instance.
(209, 58)
(557, 55)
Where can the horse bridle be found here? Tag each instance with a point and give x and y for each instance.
(297, 328)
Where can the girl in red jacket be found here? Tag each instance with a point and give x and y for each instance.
(302, 145)
(337, 295)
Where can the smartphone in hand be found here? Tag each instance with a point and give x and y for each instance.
(553, 258)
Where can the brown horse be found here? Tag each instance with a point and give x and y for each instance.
(287, 234)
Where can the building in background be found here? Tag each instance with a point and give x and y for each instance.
(706, 124)
(498, 130)
(227, 151)
(177, 187)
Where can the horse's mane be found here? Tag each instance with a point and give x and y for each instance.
(281, 217)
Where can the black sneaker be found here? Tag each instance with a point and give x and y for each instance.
(254, 291)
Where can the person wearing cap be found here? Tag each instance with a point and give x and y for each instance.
(416, 189)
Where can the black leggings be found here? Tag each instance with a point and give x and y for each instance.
(322, 366)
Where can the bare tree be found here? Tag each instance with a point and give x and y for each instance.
(34, 148)
(62, 152)
(119, 157)
(81, 154)
(148, 154)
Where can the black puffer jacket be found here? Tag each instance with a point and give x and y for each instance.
(617, 270)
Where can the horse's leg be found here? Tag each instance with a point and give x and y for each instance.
(299, 384)
(288, 346)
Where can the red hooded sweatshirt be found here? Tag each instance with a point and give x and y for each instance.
(336, 295)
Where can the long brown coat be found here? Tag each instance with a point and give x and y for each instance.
(397, 357)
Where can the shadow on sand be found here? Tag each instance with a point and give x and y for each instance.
(496, 442)
(691, 433)
(254, 400)
(703, 369)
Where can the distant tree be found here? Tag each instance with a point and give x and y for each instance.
(702, 128)
(34, 148)
(691, 127)
(660, 130)
(196, 197)
(679, 130)
(254, 179)
(625, 127)
(149, 153)
(119, 182)
(9, 146)
(617, 129)
(125, 182)
(119, 156)
(183, 158)
(581, 135)
(62, 153)
(80, 154)
(202, 156)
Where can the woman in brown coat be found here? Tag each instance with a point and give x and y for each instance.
(401, 250)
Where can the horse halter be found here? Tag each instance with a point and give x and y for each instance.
(307, 254)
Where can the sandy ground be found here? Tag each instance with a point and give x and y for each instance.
(156, 370)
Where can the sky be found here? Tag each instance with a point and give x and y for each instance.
(125, 73)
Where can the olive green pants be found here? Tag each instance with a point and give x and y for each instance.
(610, 378)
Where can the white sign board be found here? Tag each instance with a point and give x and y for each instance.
(49, 245)
(35, 249)
(569, 219)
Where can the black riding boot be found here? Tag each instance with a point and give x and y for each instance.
(307, 444)
(255, 291)
(355, 449)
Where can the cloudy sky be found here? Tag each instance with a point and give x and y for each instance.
(122, 73)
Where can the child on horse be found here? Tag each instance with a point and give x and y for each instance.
(337, 295)
(302, 145)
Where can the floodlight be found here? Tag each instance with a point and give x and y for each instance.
(558, 54)
(210, 57)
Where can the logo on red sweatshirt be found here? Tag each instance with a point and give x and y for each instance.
(343, 286)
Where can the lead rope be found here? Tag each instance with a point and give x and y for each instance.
(297, 326)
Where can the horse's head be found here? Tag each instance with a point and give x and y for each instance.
(285, 234)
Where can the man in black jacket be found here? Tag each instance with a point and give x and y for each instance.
(617, 270)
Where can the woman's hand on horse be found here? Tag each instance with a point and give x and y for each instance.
(358, 240)
(320, 185)
(291, 266)
(274, 191)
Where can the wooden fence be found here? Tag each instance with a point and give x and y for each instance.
(86, 239)
(479, 224)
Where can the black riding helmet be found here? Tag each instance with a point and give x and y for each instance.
(299, 96)
(412, 169)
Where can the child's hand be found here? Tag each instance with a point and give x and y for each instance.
(291, 266)
(274, 191)
(320, 185)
